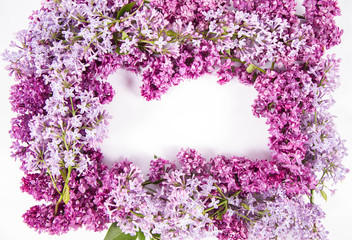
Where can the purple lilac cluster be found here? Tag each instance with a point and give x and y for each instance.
(84, 207)
(283, 99)
(72, 46)
(174, 210)
(320, 15)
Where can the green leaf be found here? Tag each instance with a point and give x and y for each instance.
(271, 105)
(323, 194)
(171, 33)
(140, 235)
(228, 51)
(126, 8)
(112, 232)
(156, 236)
(115, 233)
(222, 213)
(225, 28)
(255, 75)
(124, 35)
(66, 194)
(245, 206)
(237, 193)
(63, 174)
(251, 68)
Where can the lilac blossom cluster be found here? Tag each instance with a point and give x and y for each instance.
(172, 211)
(325, 147)
(288, 218)
(198, 199)
(72, 46)
(84, 207)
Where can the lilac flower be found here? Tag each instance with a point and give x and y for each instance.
(160, 43)
(289, 217)
(85, 207)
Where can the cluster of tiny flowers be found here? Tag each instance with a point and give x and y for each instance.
(288, 218)
(85, 207)
(192, 201)
(62, 61)
(325, 147)
(172, 211)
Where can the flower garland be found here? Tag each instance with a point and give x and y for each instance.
(72, 46)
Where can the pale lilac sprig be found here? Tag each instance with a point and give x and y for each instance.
(325, 147)
(71, 120)
(288, 218)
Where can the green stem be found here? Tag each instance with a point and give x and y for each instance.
(306, 65)
(273, 65)
(137, 214)
(73, 109)
(212, 208)
(323, 78)
(220, 191)
(80, 20)
(243, 216)
(150, 182)
(311, 196)
(91, 41)
(316, 118)
(149, 189)
(207, 210)
(57, 205)
(49, 172)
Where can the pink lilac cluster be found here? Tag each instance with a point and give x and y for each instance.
(283, 99)
(320, 15)
(242, 174)
(72, 46)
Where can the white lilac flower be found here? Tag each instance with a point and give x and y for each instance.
(83, 107)
(69, 159)
(76, 121)
(160, 43)
(90, 134)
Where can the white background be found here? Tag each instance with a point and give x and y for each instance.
(201, 114)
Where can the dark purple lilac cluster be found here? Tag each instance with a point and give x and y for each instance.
(62, 61)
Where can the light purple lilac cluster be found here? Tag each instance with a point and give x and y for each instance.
(62, 61)
(175, 210)
(325, 148)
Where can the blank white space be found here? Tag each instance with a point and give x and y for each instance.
(198, 114)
